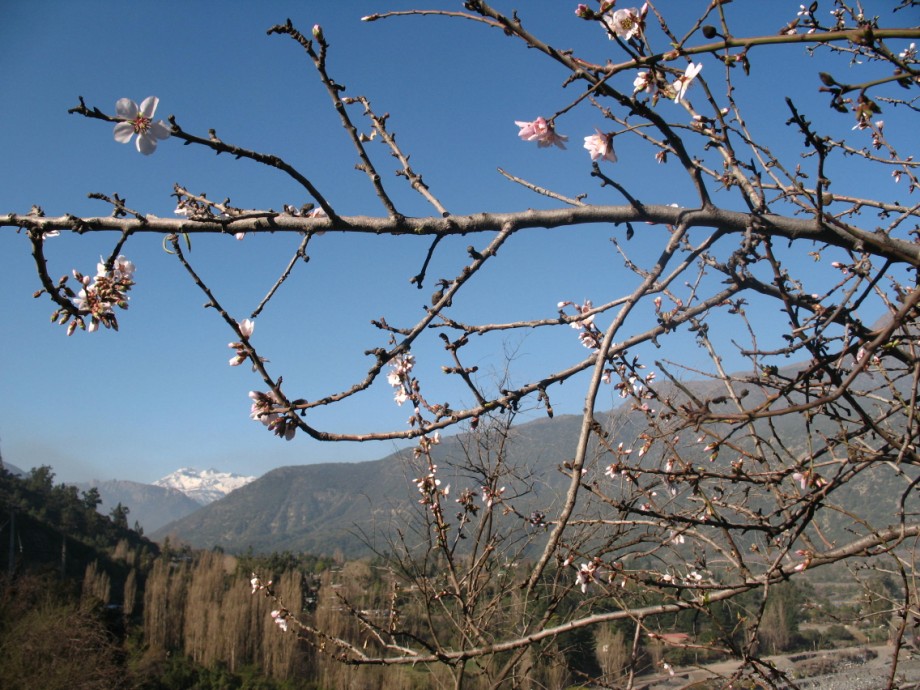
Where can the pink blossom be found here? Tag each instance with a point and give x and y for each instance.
(264, 409)
(246, 328)
(542, 132)
(600, 145)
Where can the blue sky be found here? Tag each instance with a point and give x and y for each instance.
(159, 395)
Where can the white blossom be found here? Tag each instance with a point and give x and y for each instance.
(139, 121)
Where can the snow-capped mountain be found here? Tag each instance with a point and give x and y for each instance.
(203, 486)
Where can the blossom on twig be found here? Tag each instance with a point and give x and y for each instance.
(626, 23)
(600, 146)
(280, 616)
(644, 81)
(399, 377)
(490, 496)
(246, 328)
(139, 121)
(100, 294)
(542, 132)
(682, 83)
(585, 575)
(265, 409)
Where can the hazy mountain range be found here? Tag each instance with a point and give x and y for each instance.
(357, 507)
(167, 499)
(360, 508)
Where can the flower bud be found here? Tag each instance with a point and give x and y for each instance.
(318, 33)
(709, 31)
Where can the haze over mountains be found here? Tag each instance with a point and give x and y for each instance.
(362, 508)
(359, 508)
(167, 499)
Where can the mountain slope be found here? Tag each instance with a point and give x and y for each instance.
(322, 508)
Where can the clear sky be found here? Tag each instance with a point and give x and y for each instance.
(159, 394)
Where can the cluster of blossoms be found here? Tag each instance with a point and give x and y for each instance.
(711, 447)
(399, 377)
(839, 20)
(259, 586)
(264, 409)
(809, 478)
(632, 383)
(99, 295)
(589, 335)
(430, 487)
(246, 328)
(591, 572)
(280, 617)
(625, 24)
(654, 84)
(862, 354)
(491, 496)
(617, 467)
(586, 574)
(691, 578)
(467, 500)
(807, 556)
(139, 121)
(538, 519)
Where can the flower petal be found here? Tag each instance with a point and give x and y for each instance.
(146, 144)
(160, 130)
(125, 107)
(123, 132)
(149, 106)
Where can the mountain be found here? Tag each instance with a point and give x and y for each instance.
(12, 469)
(151, 506)
(359, 508)
(203, 486)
